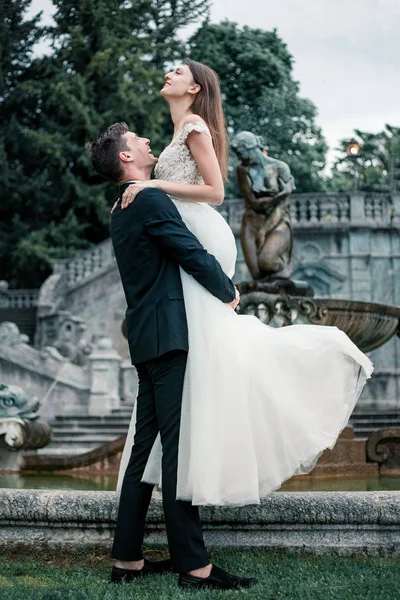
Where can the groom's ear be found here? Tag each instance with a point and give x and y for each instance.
(125, 156)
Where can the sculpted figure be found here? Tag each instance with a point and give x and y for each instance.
(265, 184)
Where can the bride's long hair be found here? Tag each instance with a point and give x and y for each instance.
(208, 105)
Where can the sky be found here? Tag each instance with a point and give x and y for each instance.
(347, 55)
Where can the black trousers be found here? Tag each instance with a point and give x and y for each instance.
(159, 409)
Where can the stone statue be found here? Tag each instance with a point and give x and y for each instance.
(266, 184)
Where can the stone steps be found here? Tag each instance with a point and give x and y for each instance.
(122, 411)
(78, 443)
(82, 439)
(89, 424)
(373, 418)
(376, 424)
(368, 421)
(366, 432)
(75, 434)
(66, 420)
(82, 432)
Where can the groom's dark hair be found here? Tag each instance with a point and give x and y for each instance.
(104, 151)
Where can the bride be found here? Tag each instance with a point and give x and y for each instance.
(259, 404)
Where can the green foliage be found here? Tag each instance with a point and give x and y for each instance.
(377, 166)
(35, 251)
(17, 38)
(260, 95)
(105, 66)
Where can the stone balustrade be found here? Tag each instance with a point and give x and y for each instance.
(315, 209)
(327, 210)
(322, 210)
(18, 298)
(87, 264)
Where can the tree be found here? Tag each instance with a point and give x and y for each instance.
(105, 66)
(377, 166)
(260, 95)
(17, 39)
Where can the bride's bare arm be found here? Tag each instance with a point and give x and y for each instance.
(202, 151)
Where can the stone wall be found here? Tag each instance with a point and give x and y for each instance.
(35, 372)
(62, 387)
(104, 292)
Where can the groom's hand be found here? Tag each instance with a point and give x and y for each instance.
(235, 302)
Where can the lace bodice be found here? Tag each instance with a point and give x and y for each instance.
(207, 224)
(175, 162)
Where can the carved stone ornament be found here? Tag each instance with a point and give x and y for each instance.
(267, 307)
(14, 403)
(10, 334)
(383, 447)
(19, 422)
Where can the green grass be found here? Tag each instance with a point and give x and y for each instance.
(282, 576)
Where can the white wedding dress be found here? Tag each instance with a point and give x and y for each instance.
(259, 404)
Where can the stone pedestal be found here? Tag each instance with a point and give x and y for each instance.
(348, 458)
(104, 363)
(129, 383)
(10, 460)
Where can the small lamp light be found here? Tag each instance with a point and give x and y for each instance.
(353, 148)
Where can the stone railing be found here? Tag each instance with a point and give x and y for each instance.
(327, 210)
(312, 209)
(378, 209)
(18, 298)
(307, 211)
(87, 264)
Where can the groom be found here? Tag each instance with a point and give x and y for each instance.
(151, 242)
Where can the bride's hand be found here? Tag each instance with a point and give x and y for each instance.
(132, 191)
(236, 301)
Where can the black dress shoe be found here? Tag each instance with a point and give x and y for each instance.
(218, 578)
(150, 568)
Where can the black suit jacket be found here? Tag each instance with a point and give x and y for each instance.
(150, 242)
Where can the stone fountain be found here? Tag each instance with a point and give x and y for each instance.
(267, 243)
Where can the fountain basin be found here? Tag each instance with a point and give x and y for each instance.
(369, 325)
(322, 522)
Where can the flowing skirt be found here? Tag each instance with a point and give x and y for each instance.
(260, 404)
